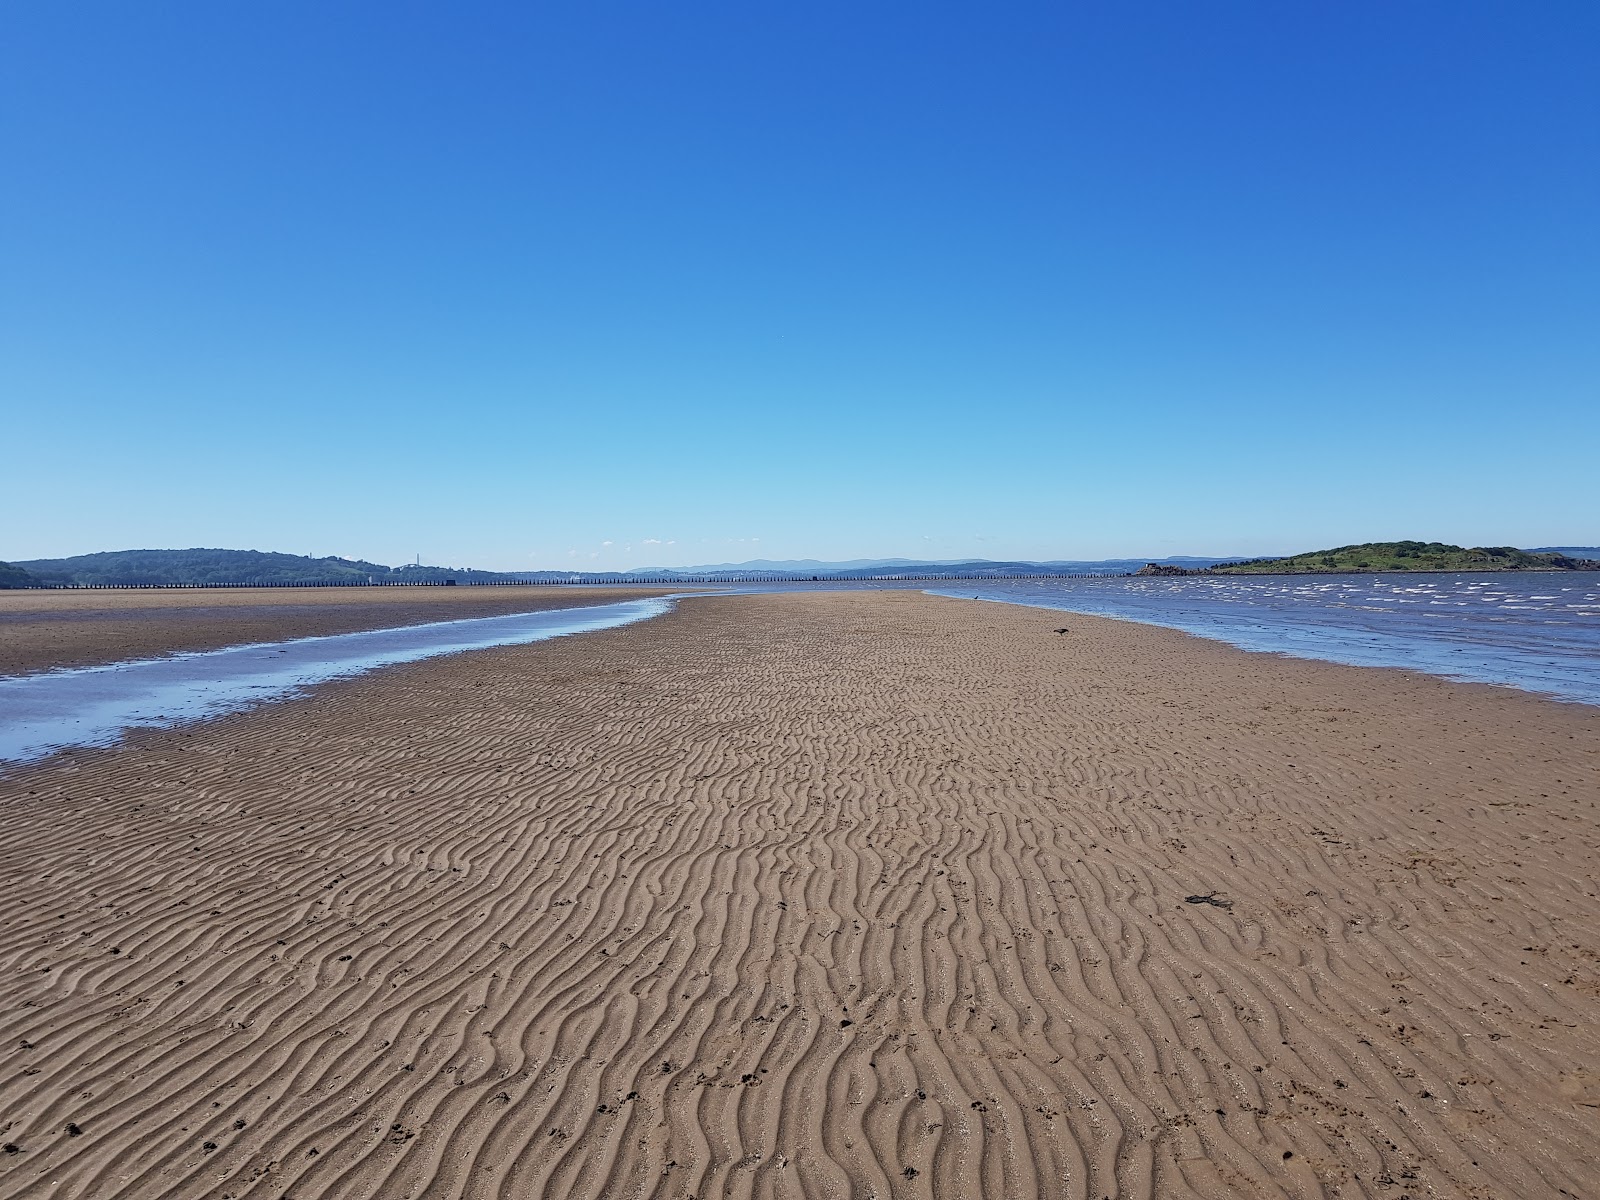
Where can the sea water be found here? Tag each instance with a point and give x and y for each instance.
(1539, 631)
(95, 706)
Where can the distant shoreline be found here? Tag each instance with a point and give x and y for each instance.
(1409, 571)
(650, 581)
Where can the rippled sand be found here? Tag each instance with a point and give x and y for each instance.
(853, 894)
(75, 628)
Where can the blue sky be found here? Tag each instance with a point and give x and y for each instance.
(616, 284)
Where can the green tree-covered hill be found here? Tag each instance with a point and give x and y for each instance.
(126, 568)
(1408, 556)
(12, 576)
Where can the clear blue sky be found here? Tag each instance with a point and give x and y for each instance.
(611, 284)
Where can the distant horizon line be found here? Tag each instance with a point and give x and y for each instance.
(790, 565)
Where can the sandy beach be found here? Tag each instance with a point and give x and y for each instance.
(801, 895)
(43, 629)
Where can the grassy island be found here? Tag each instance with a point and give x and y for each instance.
(1369, 557)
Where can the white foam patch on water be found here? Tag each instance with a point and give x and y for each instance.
(1500, 630)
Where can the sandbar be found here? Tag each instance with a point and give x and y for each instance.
(44, 628)
(834, 894)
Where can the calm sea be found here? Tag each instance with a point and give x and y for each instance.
(1537, 631)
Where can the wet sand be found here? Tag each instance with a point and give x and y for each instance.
(849, 894)
(43, 629)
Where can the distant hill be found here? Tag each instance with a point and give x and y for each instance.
(127, 568)
(1569, 551)
(217, 567)
(1371, 557)
(793, 566)
(864, 568)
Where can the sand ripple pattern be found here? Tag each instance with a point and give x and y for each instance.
(851, 895)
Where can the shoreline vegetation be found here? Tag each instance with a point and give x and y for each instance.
(1373, 558)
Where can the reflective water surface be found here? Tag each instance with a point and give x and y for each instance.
(94, 706)
(1539, 631)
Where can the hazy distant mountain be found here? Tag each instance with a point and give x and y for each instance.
(1569, 551)
(13, 576)
(856, 568)
(214, 567)
(792, 565)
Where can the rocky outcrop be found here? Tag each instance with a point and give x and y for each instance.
(1167, 569)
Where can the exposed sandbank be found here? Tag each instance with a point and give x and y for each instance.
(71, 628)
(811, 894)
